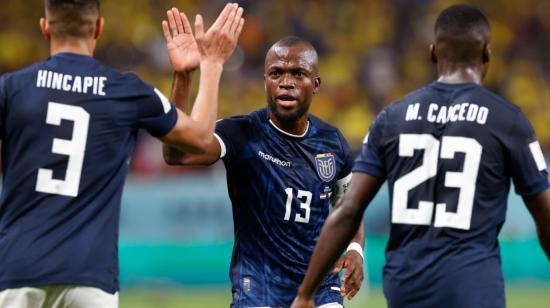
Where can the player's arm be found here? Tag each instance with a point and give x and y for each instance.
(352, 261)
(337, 232)
(194, 133)
(539, 207)
(175, 156)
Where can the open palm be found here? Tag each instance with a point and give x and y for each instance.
(180, 42)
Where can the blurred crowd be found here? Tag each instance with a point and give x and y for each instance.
(371, 53)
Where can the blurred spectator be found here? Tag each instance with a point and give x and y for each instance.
(372, 52)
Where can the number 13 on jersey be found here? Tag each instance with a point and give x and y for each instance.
(464, 180)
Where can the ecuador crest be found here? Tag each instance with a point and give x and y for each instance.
(326, 166)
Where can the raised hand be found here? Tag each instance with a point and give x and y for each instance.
(219, 42)
(352, 278)
(181, 45)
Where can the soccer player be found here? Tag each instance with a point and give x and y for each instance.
(448, 152)
(283, 167)
(68, 127)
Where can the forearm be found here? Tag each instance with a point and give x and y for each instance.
(181, 83)
(338, 230)
(359, 236)
(544, 239)
(205, 109)
(180, 97)
(539, 207)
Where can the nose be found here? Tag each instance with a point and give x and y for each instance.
(287, 82)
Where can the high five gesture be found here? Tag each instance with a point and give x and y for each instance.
(215, 45)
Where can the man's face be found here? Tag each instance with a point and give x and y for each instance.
(290, 81)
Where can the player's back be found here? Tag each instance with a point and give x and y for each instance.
(448, 153)
(68, 128)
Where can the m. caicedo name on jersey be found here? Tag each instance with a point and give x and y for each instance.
(442, 114)
(64, 82)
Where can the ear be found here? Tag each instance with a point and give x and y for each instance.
(433, 55)
(45, 28)
(317, 85)
(486, 53)
(99, 24)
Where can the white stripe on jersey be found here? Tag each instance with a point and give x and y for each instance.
(537, 155)
(165, 102)
(222, 145)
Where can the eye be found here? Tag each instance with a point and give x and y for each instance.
(274, 74)
(298, 73)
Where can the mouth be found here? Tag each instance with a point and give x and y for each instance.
(286, 101)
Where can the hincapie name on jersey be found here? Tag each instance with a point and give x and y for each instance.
(64, 82)
(442, 114)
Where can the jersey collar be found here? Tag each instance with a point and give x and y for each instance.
(288, 134)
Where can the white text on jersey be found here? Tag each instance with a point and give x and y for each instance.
(273, 159)
(455, 113)
(64, 82)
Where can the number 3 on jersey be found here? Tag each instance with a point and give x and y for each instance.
(464, 180)
(73, 148)
(304, 205)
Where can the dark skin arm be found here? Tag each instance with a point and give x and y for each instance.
(185, 55)
(174, 156)
(352, 262)
(337, 232)
(539, 207)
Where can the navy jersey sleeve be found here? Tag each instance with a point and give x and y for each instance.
(155, 112)
(231, 132)
(527, 163)
(347, 157)
(370, 159)
(344, 176)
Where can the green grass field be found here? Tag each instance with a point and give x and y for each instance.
(517, 297)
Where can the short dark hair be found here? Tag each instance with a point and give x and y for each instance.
(295, 41)
(72, 18)
(463, 31)
(291, 41)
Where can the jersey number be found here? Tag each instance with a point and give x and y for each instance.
(73, 148)
(304, 205)
(464, 180)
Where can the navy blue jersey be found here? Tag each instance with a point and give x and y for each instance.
(68, 127)
(280, 186)
(448, 153)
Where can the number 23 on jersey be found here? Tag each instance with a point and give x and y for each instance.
(464, 180)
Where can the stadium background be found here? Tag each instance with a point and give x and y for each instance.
(176, 231)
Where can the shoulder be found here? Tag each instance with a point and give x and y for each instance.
(22, 73)
(501, 101)
(330, 131)
(245, 120)
(323, 126)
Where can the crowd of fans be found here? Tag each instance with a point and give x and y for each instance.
(371, 53)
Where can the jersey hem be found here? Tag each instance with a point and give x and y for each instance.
(12, 284)
(369, 169)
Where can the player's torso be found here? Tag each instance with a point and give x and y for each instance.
(448, 184)
(280, 189)
(66, 148)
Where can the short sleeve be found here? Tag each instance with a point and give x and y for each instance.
(347, 158)
(155, 113)
(370, 159)
(527, 163)
(230, 133)
(344, 176)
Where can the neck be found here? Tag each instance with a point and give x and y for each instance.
(459, 74)
(77, 46)
(298, 127)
